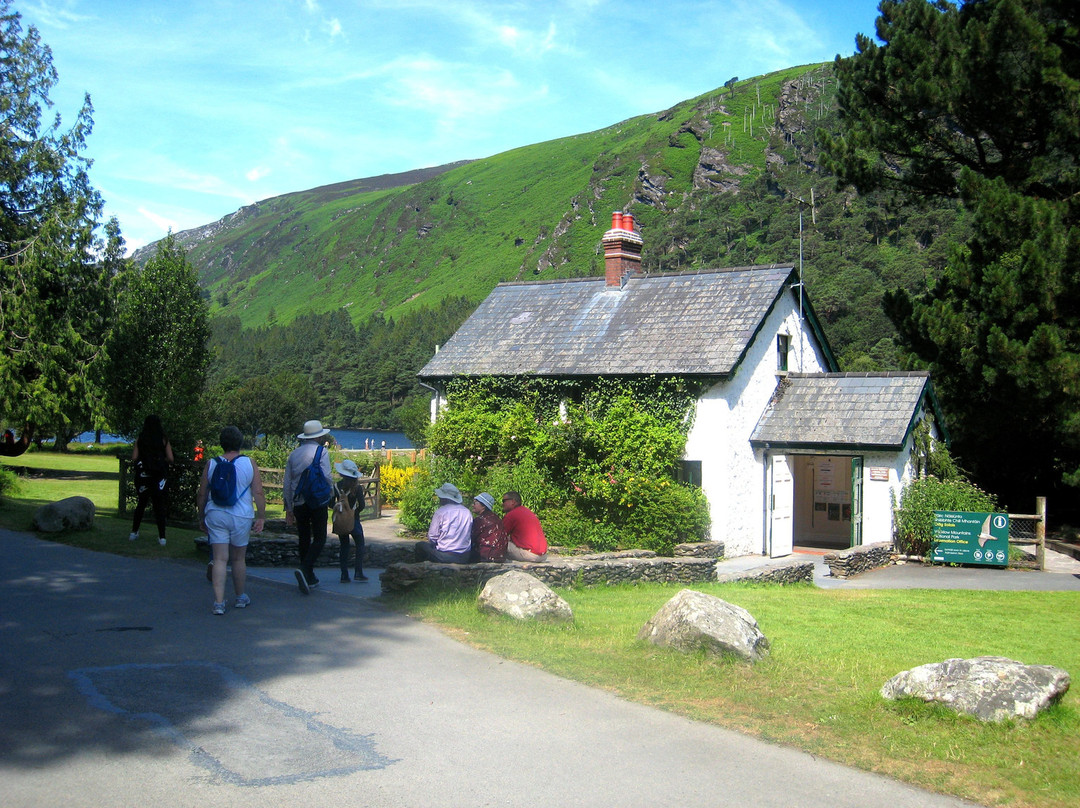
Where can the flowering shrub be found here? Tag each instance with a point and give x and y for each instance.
(921, 497)
(392, 481)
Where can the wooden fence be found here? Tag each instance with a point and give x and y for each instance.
(1030, 528)
(184, 479)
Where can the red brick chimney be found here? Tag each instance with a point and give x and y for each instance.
(622, 250)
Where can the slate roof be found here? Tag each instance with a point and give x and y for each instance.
(683, 323)
(836, 410)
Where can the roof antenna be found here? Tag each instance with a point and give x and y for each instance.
(813, 218)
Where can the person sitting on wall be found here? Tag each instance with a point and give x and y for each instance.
(489, 538)
(527, 540)
(450, 534)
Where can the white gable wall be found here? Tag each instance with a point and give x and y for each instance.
(879, 495)
(732, 477)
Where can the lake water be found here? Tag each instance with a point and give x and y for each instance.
(355, 439)
(346, 438)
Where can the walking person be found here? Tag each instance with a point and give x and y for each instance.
(227, 489)
(350, 501)
(307, 492)
(150, 458)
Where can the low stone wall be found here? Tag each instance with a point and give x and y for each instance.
(588, 570)
(857, 560)
(787, 571)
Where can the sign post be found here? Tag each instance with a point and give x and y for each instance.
(962, 537)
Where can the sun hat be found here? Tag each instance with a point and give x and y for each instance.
(486, 500)
(312, 430)
(347, 468)
(448, 491)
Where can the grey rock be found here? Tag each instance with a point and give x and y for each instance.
(521, 596)
(693, 620)
(989, 688)
(73, 513)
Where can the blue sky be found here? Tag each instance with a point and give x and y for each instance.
(204, 106)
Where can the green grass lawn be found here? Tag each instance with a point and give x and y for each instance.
(46, 476)
(817, 690)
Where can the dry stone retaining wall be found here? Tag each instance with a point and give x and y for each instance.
(864, 558)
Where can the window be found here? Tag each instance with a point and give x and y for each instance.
(690, 472)
(783, 344)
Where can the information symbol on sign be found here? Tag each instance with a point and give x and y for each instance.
(1000, 521)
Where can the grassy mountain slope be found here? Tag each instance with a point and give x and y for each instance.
(536, 212)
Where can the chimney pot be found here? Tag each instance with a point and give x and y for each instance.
(616, 220)
(628, 222)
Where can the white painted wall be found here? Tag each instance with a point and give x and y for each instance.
(732, 474)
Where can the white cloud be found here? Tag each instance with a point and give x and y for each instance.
(256, 174)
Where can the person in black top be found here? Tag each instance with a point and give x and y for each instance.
(151, 458)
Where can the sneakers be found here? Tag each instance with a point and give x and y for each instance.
(161, 540)
(360, 577)
(133, 535)
(345, 578)
(301, 581)
(219, 608)
(242, 602)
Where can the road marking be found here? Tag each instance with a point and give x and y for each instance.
(232, 729)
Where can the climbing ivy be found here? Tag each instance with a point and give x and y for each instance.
(603, 452)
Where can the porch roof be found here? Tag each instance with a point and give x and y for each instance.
(844, 410)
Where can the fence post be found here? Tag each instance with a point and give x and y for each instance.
(377, 474)
(1040, 532)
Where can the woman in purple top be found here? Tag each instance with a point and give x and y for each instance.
(450, 534)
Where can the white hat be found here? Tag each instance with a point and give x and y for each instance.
(347, 468)
(312, 430)
(448, 491)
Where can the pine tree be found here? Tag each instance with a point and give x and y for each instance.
(54, 264)
(981, 102)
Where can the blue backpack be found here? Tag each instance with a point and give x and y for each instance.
(223, 483)
(313, 486)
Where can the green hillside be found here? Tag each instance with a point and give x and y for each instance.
(536, 212)
(713, 181)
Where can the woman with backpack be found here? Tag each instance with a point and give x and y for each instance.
(226, 491)
(349, 502)
(151, 458)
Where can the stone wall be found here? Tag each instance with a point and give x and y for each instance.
(588, 570)
(787, 571)
(857, 560)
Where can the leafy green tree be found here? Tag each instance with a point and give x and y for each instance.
(276, 404)
(54, 265)
(981, 103)
(158, 350)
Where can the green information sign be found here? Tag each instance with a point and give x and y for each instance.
(961, 537)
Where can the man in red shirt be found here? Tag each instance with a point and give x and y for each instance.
(527, 541)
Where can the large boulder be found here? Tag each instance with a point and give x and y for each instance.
(523, 597)
(989, 688)
(73, 513)
(693, 620)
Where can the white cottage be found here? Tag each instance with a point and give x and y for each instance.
(787, 450)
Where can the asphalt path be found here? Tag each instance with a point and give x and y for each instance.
(119, 688)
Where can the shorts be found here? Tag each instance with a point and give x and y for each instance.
(225, 528)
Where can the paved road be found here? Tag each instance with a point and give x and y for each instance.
(119, 688)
